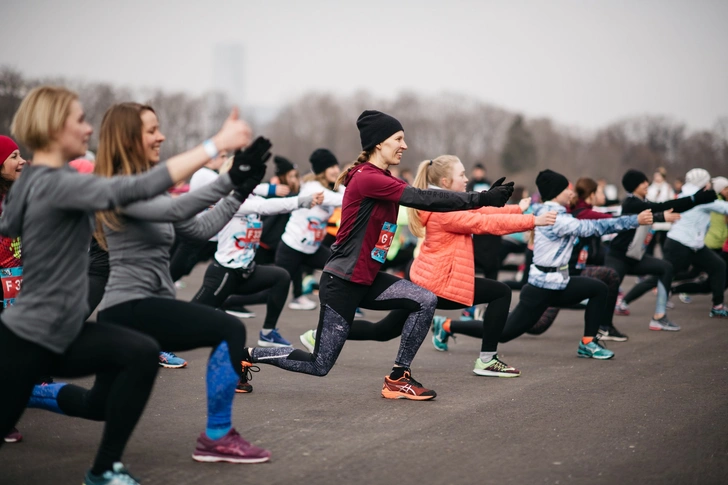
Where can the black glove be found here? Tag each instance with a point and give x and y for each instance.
(704, 196)
(497, 195)
(254, 176)
(253, 156)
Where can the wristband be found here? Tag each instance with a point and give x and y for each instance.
(210, 148)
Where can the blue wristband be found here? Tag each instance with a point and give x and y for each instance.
(271, 190)
(210, 148)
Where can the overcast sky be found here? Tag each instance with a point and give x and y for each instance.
(582, 63)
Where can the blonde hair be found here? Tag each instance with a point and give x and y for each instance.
(42, 115)
(362, 158)
(121, 152)
(227, 165)
(430, 172)
(320, 178)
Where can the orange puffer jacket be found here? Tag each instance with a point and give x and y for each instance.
(445, 265)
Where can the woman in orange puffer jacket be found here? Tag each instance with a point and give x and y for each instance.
(446, 266)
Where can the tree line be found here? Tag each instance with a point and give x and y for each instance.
(507, 143)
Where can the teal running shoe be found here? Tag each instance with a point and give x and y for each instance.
(718, 312)
(118, 475)
(171, 361)
(594, 350)
(439, 335)
(468, 314)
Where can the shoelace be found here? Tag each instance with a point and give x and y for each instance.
(598, 341)
(248, 372)
(499, 366)
(408, 376)
(170, 355)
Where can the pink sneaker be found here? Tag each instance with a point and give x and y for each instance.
(231, 448)
(14, 436)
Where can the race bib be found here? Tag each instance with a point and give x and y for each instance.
(317, 229)
(583, 256)
(250, 239)
(12, 279)
(386, 236)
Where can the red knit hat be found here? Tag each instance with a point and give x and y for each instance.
(7, 147)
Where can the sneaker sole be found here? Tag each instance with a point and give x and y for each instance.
(439, 349)
(263, 343)
(12, 440)
(301, 308)
(240, 314)
(622, 314)
(173, 366)
(399, 395)
(665, 329)
(613, 339)
(217, 459)
(243, 391)
(589, 356)
(490, 373)
(306, 344)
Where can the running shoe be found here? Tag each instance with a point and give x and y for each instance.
(171, 361)
(621, 309)
(718, 313)
(240, 311)
(118, 475)
(439, 335)
(358, 313)
(14, 436)
(468, 314)
(273, 339)
(495, 368)
(302, 303)
(664, 324)
(244, 386)
(231, 448)
(594, 350)
(669, 305)
(685, 298)
(406, 388)
(308, 339)
(479, 312)
(308, 284)
(611, 333)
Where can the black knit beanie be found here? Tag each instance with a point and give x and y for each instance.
(632, 179)
(283, 165)
(550, 184)
(322, 159)
(375, 127)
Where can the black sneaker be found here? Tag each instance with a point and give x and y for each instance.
(243, 385)
(611, 333)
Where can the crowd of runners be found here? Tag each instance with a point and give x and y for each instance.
(115, 233)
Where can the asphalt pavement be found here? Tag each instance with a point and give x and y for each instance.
(655, 414)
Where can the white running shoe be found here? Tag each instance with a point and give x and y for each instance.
(302, 303)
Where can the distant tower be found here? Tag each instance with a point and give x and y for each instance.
(227, 71)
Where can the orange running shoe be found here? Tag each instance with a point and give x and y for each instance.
(243, 385)
(406, 388)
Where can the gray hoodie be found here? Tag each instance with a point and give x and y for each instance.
(52, 209)
(139, 250)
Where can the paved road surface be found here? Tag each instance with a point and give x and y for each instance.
(655, 414)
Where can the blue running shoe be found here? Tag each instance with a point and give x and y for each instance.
(439, 335)
(468, 314)
(719, 312)
(171, 361)
(594, 350)
(118, 475)
(273, 339)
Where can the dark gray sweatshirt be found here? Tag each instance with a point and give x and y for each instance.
(139, 250)
(52, 210)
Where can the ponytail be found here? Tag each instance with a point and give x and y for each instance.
(430, 172)
(363, 158)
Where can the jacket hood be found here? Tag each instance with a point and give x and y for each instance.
(688, 190)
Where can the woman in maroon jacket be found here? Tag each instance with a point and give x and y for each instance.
(352, 276)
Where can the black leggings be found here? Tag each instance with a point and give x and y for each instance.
(187, 254)
(647, 266)
(339, 301)
(704, 259)
(96, 288)
(126, 360)
(221, 282)
(495, 293)
(293, 262)
(534, 301)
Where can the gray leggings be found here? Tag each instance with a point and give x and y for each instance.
(339, 301)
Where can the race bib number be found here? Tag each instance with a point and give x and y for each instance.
(250, 239)
(12, 280)
(379, 253)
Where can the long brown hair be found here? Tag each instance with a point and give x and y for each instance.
(121, 152)
(362, 158)
(585, 187)
(430, 172)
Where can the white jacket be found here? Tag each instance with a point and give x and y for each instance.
(238, 241)
(307, 227)
(690, 230)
